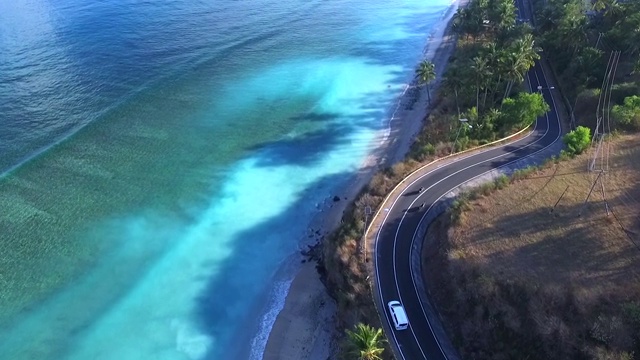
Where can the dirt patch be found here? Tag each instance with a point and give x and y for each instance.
(547, 268)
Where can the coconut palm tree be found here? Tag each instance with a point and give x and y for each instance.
(366, 342)
(502, 15)
(521, 57)
(452, 82)
(526, 48)
(610, 7)
(481, 69)
(494, 55)
(636, 67)
(426, 73)
(515, 66)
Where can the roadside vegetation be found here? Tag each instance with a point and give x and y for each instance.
(365, 342)
(548, 265)
(544, 268)
(483, 83)
(481, 98)
(484, 86)
(577, 141)
(579, 39)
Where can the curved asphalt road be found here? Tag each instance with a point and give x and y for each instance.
(396, 234)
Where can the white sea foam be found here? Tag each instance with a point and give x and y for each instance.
(144, 300)
(434, 40)
(275, 305)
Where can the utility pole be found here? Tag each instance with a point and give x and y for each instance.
(599, 161)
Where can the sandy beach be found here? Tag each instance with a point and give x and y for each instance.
(305, 327)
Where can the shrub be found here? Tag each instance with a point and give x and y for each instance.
(523, 173)
(501, 182)
(380, 185)
(577, 140)
(628, 114)
(399, 170)
(521, 111)
(428, 149)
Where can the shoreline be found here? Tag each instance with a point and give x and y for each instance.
(304, 327)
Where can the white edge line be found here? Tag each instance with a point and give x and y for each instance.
(394, 202)
(422, 176)
(448, 191)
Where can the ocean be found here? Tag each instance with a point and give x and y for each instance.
(160, 161)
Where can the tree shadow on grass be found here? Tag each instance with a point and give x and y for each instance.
(591, 246)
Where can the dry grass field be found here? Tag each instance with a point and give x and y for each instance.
(542, 270)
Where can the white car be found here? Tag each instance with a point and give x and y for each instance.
(399, 316)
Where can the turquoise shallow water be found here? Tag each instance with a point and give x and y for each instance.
(161, 160)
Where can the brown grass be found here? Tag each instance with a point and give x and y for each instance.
(531, 280)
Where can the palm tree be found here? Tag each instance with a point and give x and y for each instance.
(366, 342)
(426, 73)
(452, 81)
(521, 58)
(599, 5)
(526, 48)
(481, 68)
(502, 15)
(610, 7)
(515, 69)
(493, 54)
(469, 20)
(636, 67)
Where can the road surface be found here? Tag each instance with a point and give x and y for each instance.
(394, 280)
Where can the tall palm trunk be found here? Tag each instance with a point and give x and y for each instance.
(507, 90)
(455, 91)
(484, 100)
(478, 96)
(493, 94)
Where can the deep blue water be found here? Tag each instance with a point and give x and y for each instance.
(161, 160)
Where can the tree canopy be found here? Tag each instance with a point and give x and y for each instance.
(628, 114)
(426, 73)
(500, 52)
(577, 140)
(522, 111)
(366, 342)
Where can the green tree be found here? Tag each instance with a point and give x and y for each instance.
(612, 9)
(453, 82)
(526, 48)
(366, 342)
(521, 111)
(563, 26)
(628, 114)
(520, 58)
(494, 56)
(600, 5)
(515, 70)
(482, 71)
(426, 73)
(485, 129)
(501, 15)
(577, 140)
(636, 67)
(470, 20)
(625, 31)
